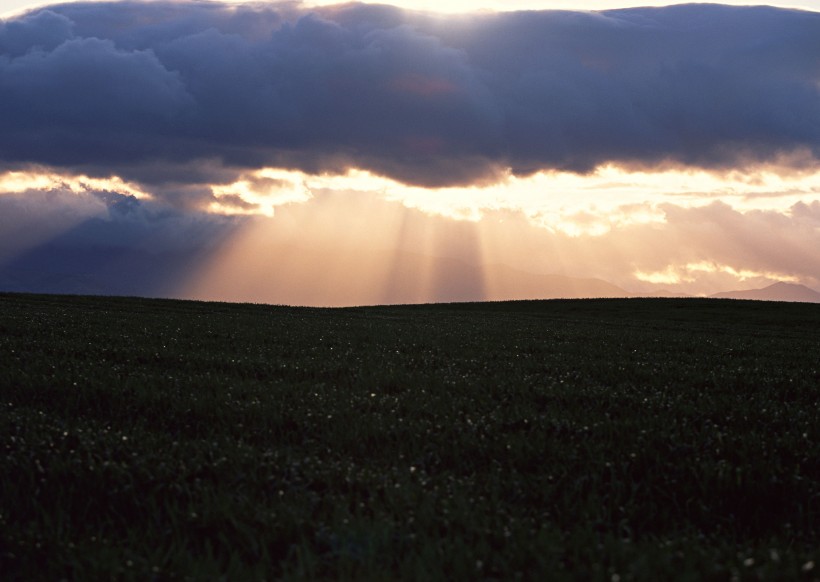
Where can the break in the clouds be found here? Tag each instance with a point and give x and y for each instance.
(172, 95)
(349, 248)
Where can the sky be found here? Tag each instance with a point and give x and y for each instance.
(359, 154)
(461, 6)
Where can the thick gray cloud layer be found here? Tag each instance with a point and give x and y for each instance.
(194, 92)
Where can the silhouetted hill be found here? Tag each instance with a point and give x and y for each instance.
(662, 293)
(775, 292)
(509, 283)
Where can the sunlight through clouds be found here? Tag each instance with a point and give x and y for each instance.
(51, 205)
(12, 7)
(575, 204)
(462, 6)
(260, 192)
(690, 273)
(359, 153)
(44, 180)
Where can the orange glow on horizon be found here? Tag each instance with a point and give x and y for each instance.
(674, 275)
(359, 238)
(345, 251)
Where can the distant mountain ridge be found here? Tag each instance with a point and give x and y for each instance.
(510, 283)
(664, 293)
(776, 292)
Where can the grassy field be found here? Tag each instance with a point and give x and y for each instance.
(642, 439)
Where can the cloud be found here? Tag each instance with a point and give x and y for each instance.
(703, 250)
(178, 94)
(100, 242)
(345, 247)
(39, 31)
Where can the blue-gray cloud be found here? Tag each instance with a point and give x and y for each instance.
(194, 92)
(60, 241)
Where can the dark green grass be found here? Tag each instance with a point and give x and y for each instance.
(600, 439)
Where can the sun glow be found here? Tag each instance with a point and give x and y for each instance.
(573, 204)
(345, 250)
(358, 238)
(12, 8)
(689, 273)
(462, 6)
(17, 182)
(594, 204)
(260, 192)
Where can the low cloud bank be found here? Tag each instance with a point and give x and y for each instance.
(98, 242)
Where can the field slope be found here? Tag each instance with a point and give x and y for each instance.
(589, 439)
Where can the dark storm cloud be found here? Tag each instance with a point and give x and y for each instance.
(193, 93)
(98, 242)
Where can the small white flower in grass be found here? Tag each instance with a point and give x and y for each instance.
(749, 562)
(808, 566)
